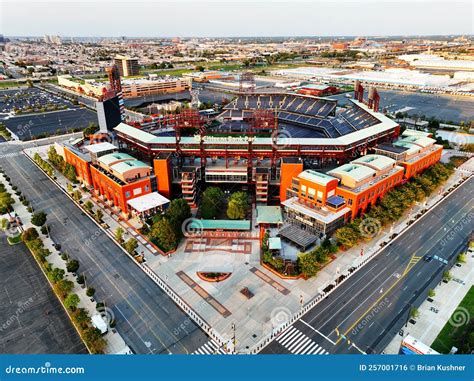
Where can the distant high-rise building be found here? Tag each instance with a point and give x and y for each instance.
(127, 66)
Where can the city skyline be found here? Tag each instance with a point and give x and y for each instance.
(244, 19)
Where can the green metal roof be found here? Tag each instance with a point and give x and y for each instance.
(113, 157)
(269, 214)
(274, 243)
(220, 224)
(125, 166)
(356, 171)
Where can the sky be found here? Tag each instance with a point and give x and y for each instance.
(194, 18)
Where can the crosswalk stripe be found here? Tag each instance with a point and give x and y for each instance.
(297, 342)
(301, 345)
(298, 335)
(289, 331)
(315, 350)
(320, 349)
(284, 340)
(199, 351)
(208, 348)
(308, 348)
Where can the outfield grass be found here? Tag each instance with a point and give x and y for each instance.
(450, 335)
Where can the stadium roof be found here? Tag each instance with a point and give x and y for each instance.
(316, 177)
(385, 124)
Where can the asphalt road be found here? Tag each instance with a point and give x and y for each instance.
(372, 306)
(147, 318)
(31, 318)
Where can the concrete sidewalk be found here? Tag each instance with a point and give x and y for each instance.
(434, 315)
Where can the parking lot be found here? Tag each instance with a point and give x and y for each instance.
(443, 107)
(31, 318)
(30, 100)
(34, 126)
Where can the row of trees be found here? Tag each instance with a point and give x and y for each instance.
(58, 162)
(310, 263)
(64, 289)
(6, 200)
(392, 206)
(43, 164)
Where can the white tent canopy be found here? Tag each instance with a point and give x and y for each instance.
(148, 201)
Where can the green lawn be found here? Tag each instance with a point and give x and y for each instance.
(14, 240)
(451, 335)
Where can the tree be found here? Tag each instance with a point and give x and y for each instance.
(90, 291)
(431, 293)
(94, 340)
(163, 234)
(211, 202)
(88, 206)
(178, 211)
(414, 313)
(72, 301)
(130, 245)
(119, 235)
(65, 286)
(38, 219)
(98, 215)
(70, 173)
(90, 130)
(237, 206)
(77, 195)
(69, 187)
(56, 275)
(72, 266)
(307, 264)
(29, 234)
(81, 316)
